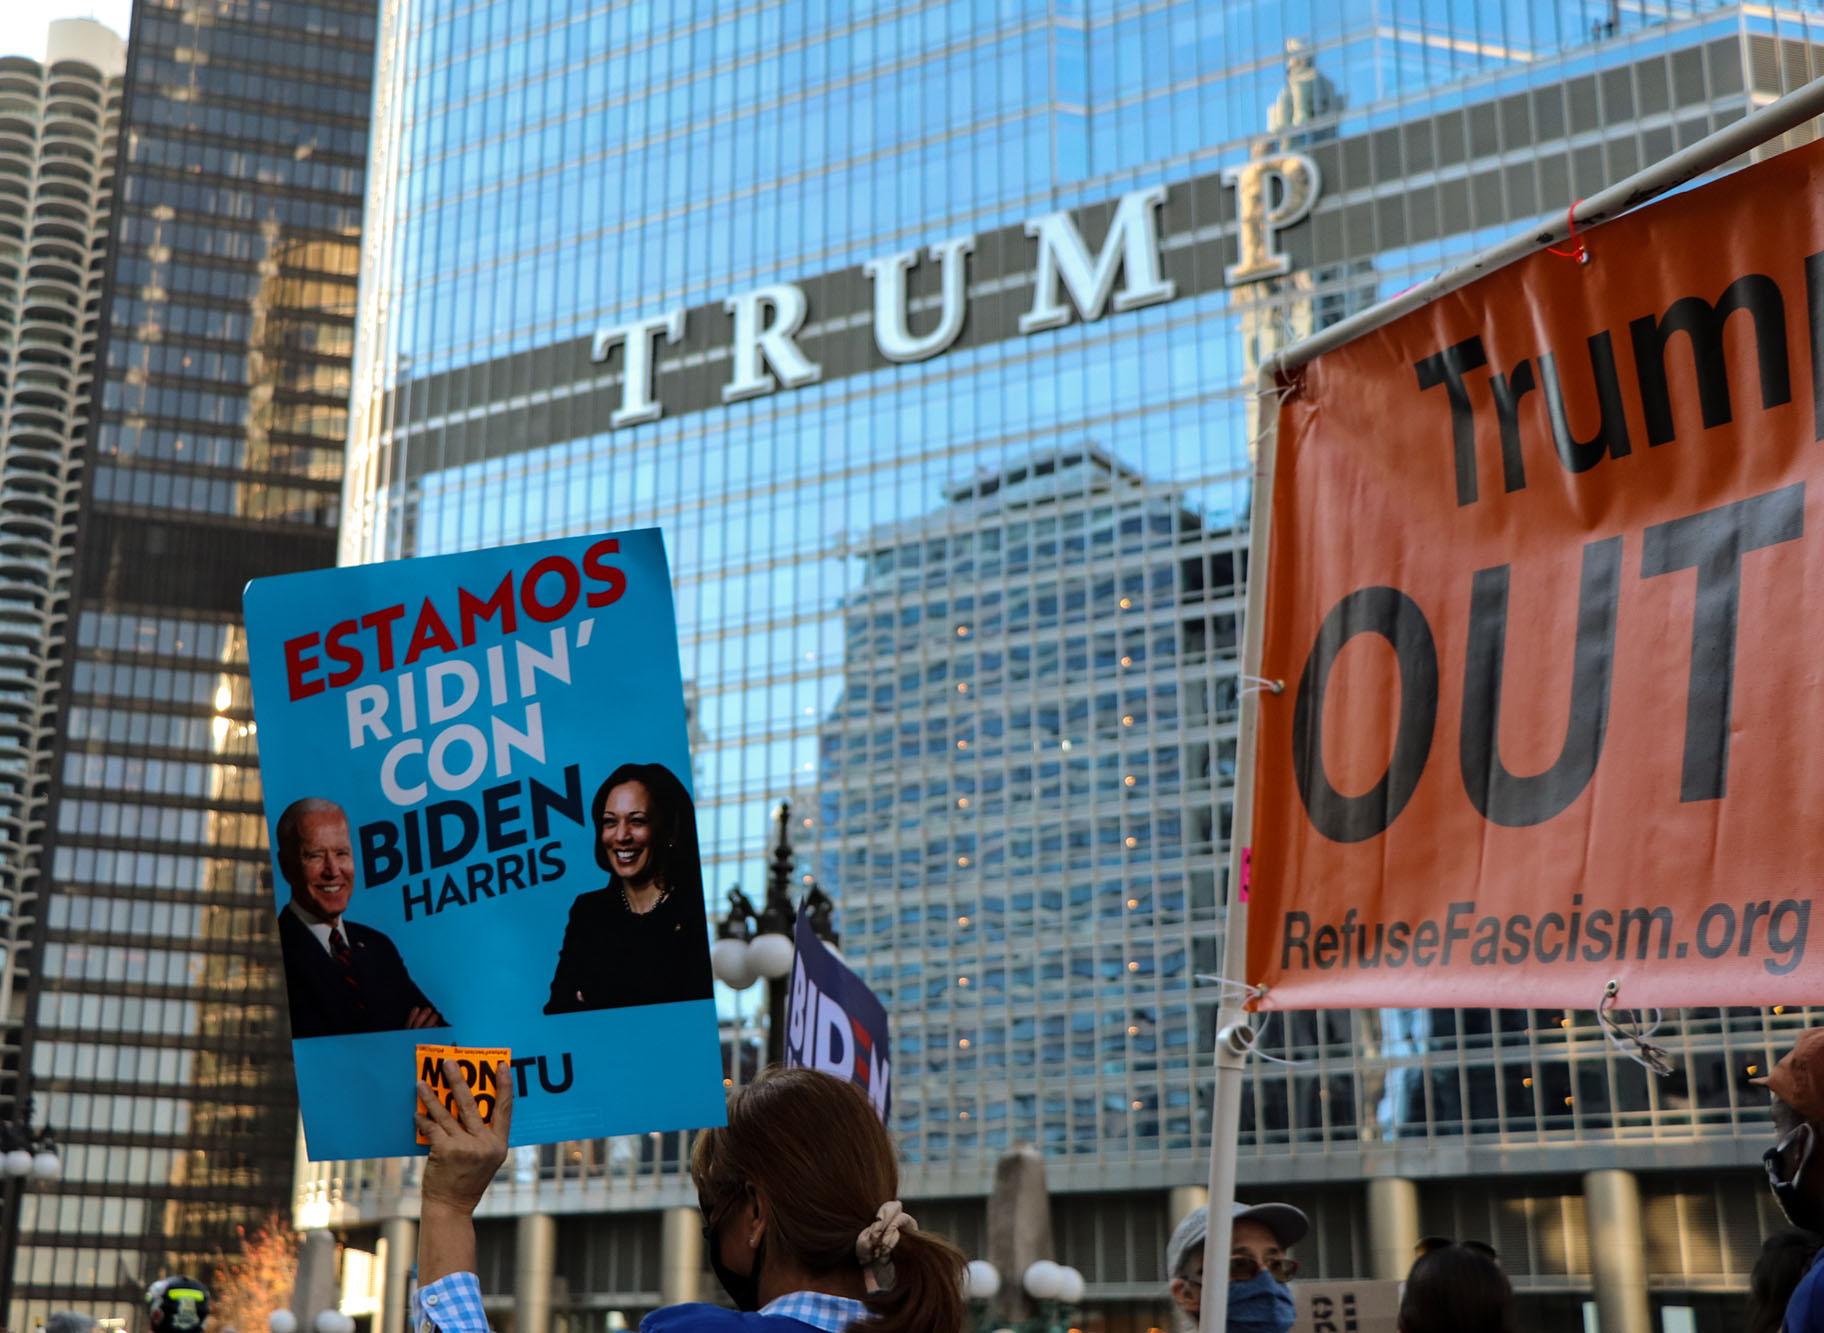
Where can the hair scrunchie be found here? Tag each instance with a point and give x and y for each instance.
(874, 1246)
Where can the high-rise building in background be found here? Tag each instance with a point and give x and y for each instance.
(928, 334)
(154, 1038)
(59, 123)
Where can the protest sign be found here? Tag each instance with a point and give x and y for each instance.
(834, 1022)
(477, 787)
(1544, 597)
(479, 1070)
(1346, 1307)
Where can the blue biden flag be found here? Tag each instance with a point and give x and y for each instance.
(835, 1023)
(477, 785)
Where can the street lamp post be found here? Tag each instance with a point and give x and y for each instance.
(754, 943)
(982, 1283)
(1056, 1291)
(26, 1155)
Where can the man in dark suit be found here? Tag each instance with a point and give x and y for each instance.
(342, 977)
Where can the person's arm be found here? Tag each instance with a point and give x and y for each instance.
(465, 1155)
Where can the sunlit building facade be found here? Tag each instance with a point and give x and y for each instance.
(928, 335)
(155, 1038)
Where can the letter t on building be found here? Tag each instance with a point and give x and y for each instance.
(637, 343)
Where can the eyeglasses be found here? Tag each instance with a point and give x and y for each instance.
(1243, 1267)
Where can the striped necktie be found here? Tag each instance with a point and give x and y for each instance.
(345, 959)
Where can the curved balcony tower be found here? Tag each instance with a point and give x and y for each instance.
(59, 122)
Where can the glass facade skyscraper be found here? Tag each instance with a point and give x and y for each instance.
(927, 333)
(155, 1042)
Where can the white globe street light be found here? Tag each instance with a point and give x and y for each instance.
(1044, 1280)
(772, 955)
(1070, 1291)
(733, 963)
(26, 1153)
(981, 1280)
(282, 1321)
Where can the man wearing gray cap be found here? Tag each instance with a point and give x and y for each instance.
(1260, 1265)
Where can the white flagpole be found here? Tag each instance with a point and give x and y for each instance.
(1233, 1036)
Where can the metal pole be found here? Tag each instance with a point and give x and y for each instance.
(1708, 153)
(779, 915)
(12, 1193)
(12, 1188)
(1233, 1036)
(776, 997)
(1231, 1065)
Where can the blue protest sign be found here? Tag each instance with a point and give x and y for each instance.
(834, 1022)
(477, 785)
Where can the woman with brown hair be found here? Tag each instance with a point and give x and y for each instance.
(1455, 1289)
(1786, 1256)
(800, 1213)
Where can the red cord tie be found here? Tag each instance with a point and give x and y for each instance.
(1579, 249)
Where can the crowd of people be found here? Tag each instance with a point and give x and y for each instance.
(804, 1229)
(1453, 1286)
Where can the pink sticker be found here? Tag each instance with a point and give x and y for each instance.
(1247, 871)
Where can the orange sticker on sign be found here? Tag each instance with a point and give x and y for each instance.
(481, 1069)
(1546, 582)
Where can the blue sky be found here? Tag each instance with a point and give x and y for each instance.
(22, 26)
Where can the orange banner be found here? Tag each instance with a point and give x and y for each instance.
(1546, 590)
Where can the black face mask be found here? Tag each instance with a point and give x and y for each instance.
(1801, 1209)
(742, 1288)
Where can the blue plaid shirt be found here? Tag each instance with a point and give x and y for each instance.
(450, 1305)
(453, 1305)
(832, 1314)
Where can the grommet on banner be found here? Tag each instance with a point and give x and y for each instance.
(1632, 1039)
(1579, 248)
(1255, 684)
(1243, 991)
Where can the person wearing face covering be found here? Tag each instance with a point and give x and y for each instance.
(1795, 1166)
(801, 1217)
(1260, 1266)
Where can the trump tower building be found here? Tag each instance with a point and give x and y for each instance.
(927, 333)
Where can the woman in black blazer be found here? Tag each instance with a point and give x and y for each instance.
(643, 939)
